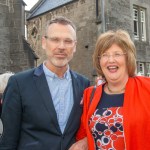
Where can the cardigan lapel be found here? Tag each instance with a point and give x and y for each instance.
(43, 89)
(95, 101)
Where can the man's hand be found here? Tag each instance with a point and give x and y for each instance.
(80, 145)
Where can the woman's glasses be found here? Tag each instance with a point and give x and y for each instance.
(116, 55)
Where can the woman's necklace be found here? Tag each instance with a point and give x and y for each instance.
(115, 92)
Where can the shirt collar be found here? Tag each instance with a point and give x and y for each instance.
(51, 74)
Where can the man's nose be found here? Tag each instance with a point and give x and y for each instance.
(61, 44)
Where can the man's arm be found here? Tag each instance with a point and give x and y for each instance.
(11, 116)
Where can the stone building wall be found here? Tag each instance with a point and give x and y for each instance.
(143, 48)
(118, 14)
(13, 56)
(4, 37)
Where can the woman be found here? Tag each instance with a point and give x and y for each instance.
(119, 115)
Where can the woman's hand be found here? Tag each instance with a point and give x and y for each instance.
(99, 80)
(80, 145)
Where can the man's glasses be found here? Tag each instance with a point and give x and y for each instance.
(57, 41)
(116, 56)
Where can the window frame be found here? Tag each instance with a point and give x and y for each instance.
(148, 69)
(139, 23)
(135, 23)
(141, 68)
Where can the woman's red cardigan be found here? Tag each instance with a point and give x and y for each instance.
(136, 114)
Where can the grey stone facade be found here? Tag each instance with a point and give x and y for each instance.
(15, 54)
(90, 22)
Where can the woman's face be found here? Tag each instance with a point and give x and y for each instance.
(113, 64)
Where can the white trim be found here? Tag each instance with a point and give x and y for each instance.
(143, 24)
(141, 67)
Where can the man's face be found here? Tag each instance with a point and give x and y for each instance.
(59, 45)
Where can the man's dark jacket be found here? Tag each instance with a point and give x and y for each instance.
(29, 117)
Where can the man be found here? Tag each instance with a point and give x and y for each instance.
(41, 108)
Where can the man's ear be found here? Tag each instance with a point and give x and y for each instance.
(75, 46)
(43, 42)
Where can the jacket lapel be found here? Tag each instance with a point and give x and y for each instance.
(43, 89)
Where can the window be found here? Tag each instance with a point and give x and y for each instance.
(139, 21)
(141, 67)
(98, 11)
(148, 70)
(136, 32)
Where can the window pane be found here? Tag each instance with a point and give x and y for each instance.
(135, 28)
(141, 67)
(135, 14)
(135, 22)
